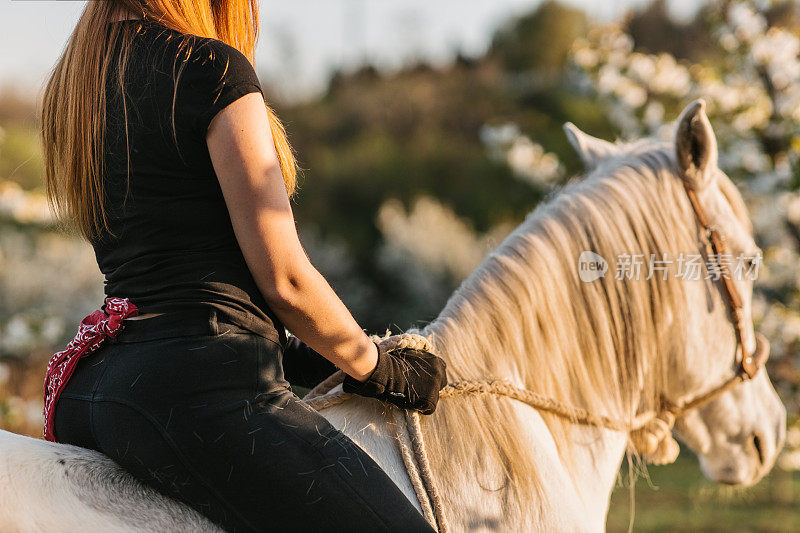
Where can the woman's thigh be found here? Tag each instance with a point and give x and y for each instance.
(212, 422)
(270, 464)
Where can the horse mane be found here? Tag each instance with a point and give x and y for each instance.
(525, 315)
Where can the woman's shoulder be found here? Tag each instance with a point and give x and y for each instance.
(199, 75)
(192, 53)
(214, 56)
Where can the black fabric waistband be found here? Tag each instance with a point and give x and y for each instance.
(183, 323)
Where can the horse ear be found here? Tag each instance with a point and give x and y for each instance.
(590, 149)
(696, 147)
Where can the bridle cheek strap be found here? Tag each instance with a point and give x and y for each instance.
(654, 440)
(718, 248)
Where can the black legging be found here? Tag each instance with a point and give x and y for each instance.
(200, 411)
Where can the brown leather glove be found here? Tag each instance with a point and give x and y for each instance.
(408, 378)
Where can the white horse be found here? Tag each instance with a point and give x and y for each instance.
(616, 347)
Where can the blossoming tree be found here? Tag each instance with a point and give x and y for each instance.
(752, 89)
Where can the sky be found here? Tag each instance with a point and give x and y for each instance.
(302, 41)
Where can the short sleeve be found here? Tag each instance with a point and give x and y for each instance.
(214, 76)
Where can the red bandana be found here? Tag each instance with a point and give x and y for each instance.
(92, 331)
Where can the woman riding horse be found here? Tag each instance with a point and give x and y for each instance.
(160, 150)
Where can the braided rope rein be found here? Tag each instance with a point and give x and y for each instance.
(650, 432)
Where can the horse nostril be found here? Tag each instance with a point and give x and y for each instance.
(759, 446)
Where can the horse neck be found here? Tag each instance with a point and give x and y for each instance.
(514, 319)
(580, 489)
(524, 315)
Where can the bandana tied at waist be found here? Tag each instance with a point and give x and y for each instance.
(92, 332)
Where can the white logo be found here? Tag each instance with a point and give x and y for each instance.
(591, 266)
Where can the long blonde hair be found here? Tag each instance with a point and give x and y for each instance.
(73, 110)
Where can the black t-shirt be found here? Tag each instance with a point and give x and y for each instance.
(172, 245)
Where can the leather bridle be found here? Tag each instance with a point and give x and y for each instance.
(750, 363)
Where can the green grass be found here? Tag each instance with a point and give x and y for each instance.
(678, 498)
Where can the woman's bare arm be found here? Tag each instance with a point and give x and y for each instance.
(244, 159)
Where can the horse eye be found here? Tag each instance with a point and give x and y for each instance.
(754, 259)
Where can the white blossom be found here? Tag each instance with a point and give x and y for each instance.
(23, 206)
(745, 23)
(528, 159)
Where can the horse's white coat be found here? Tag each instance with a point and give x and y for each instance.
(474, 506)
(51, 487)
(48, 487)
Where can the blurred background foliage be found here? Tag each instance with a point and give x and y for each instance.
(411, 176)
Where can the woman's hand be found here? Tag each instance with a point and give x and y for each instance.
(408, 378)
